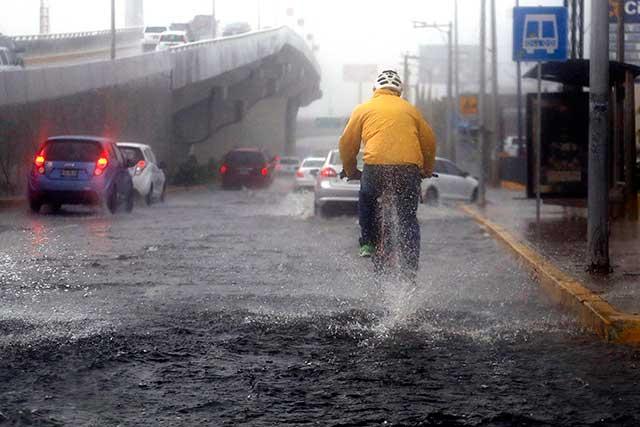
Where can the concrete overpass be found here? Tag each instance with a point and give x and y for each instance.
(202, 98)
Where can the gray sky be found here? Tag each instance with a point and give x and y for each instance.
(347, 31)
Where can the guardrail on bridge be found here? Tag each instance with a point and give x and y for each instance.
(52, 44)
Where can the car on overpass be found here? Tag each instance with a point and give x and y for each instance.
(170, 39)
(236, 28)
(149, 179)
(6, 63)
(183, 26)
(247, 167)
(12, 51)
(80, 170)
(151, 36)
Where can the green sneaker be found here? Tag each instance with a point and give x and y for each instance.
(367, 250)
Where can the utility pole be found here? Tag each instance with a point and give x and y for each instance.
(405, 78)
(445, 28)
(259, 16)
(482, 188)
(456, 108)
(214, 24)
(495, 105)
(598, 202)
(450, 138)
(44, 17)
(521, 148)
(113, 29)
(618, 108)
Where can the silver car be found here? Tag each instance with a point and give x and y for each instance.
(330, 189)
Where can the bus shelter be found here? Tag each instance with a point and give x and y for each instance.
(565, 136)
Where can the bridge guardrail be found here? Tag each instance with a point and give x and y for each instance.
(182, 66)
(50, 44)
(193, 62)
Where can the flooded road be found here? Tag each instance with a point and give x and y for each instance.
(242, 308)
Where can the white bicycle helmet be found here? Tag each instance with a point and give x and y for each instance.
(388, 79)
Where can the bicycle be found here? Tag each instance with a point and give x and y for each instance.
(393, 253)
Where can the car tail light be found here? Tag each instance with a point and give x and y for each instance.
(39, 163)
(224, 169)
(264, 171)
(140, 167)
(299, 174)
(328, 172)
(101, 164)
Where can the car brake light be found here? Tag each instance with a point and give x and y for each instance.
(224, 169)
(264, 171)
(101, 164)
(328, 172)
(39, 163)
(299, 174)
(140, 167)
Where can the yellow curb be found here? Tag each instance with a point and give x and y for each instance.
(591, 310)
(512, 186)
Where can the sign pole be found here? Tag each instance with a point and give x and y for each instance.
(113, 29)
(482, 108)
(598, 200)
(538, 144)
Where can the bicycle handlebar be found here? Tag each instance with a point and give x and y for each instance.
(343, 175)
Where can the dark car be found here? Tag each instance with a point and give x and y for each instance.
(249, 167)
(80, 170)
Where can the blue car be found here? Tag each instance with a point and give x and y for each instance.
(80, 170)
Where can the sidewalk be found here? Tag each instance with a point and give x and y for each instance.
(556, 252)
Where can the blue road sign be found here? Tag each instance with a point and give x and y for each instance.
(540, 34)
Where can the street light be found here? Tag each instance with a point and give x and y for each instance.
(448, 29)
(113, 29)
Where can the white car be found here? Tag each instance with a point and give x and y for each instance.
(147, 175)
(511, 146)
(288, 165)
(170, 39)
(151, 37)
(451, 183)
(307, 173)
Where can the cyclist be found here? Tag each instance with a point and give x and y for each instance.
(399, 150)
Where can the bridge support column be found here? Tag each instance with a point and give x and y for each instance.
(293, 105)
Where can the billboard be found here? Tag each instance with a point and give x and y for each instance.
(433, 64)
(469, 105)
(360, 73)
(631, 12)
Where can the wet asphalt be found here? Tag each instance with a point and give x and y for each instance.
(242, 308)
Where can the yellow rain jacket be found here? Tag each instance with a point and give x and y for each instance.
(393, 133)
